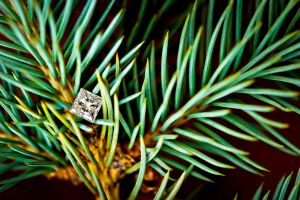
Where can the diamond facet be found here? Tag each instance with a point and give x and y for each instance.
(86, 105)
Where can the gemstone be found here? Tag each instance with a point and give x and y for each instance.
(86, 105)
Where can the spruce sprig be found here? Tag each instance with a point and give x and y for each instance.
(159, 117)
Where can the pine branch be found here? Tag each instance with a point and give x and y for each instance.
(184, 122)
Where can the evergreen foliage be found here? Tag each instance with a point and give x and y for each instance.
(172, 104)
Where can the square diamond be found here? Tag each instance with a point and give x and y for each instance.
(86, 105)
